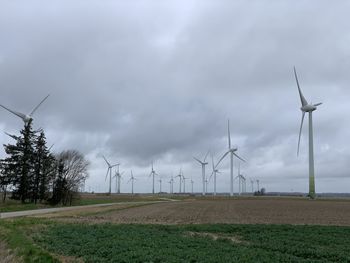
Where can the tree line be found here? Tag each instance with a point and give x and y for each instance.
(32, 174)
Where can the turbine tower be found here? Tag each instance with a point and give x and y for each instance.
(160, 185)
(109, 170)
(252, 184)
(184, 180)
(132, 179)
(153, 173)
(180, 180)
(118, 176)
(203, 163)
(214, 172)
(309, 108)
(25, 117)
(192, 182)
(232, 151)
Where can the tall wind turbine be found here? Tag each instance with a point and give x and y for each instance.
(180, 180)
(232, 151)
(308, 107)
(203, 164)
(132, 179)
(118, 176)
(192, 182)
(109, 170)
(252, 184)
(184, 180)
(160, 185)
(153, 173)
(25, 117)
(214, 172)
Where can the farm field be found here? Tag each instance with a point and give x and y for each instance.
(193, 230)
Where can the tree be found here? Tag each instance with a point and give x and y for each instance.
(71, 174)
(43, 168)
(18, 166)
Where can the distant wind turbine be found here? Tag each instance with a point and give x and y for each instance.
(214, 172)
(132, 179)
(25, 117)
(109, 170)
(118, 176)
(306, 107)
(232, 152)
(180, 180)
(184, 180)
(252, 184)
(192, 182)
(153, 173)
(203, 164)
(160, 185)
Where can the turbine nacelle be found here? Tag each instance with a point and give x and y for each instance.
(309, 107)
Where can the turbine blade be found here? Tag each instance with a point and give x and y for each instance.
(212, 161)
(302, 98)
(318, 104)
(38, 105)
(239, 157)
(197, 160)
(222, 158)
(211, 175)
(18, 114)
(229, 134)
(206, 156)
(301, 127)
(106, 160)
(107, 174)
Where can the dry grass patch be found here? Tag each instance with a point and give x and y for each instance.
(215, 236)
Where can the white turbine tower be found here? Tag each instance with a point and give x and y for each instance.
(132, 179)
(118, 176)
(192, 182)
(153, 173)
(184, 180)
(109, 170)
(252, 184)
(214, 172)
(25, 117)
(160, 185)
(171, 182)
(306, 107)
(232, 153)
(203, 164)
(180, 180)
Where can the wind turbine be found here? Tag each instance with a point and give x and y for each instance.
(214, 172)
(257, 182)
(132, 179)
(192, 182)
(184, 179)
(171, 182)
(203, 163)
(109, 170)
(153, 173)
(252, 184)
(180, 180)
(118, 176)
(160, 185)
(232, 153)
(306, 107)
(25, 117)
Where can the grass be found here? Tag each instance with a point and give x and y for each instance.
(42, 240)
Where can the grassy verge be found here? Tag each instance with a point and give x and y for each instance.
(14, 205)
(39, 240)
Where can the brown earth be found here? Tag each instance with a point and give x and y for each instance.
(230, 211)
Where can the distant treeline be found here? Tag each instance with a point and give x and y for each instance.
(33, 174)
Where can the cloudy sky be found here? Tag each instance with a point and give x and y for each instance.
(157, 80)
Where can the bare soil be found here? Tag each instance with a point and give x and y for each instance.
(229, 211)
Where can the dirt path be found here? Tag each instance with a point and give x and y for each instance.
(71, 208)
(259, 211)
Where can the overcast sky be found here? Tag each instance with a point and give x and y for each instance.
(157, 80)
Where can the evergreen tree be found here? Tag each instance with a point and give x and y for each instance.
(43, 167)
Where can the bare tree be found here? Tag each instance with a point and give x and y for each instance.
(72, 173)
